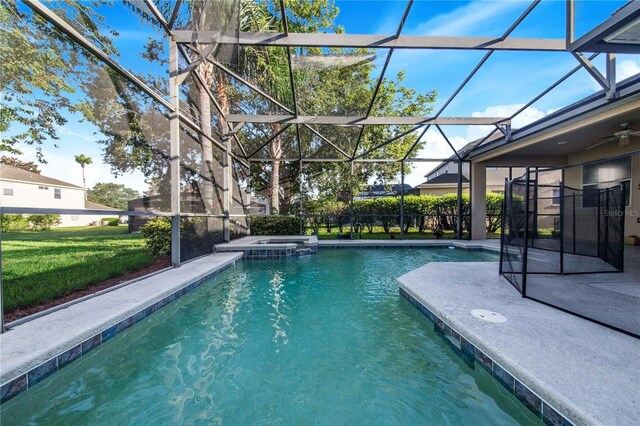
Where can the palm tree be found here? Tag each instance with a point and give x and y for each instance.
(83, 160)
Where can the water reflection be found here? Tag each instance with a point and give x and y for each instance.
(277, 292)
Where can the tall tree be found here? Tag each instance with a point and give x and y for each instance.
(84, 161)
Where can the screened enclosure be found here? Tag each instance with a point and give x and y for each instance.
(222, 112)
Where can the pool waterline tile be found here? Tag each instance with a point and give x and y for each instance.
(471, 355)
(26, 380)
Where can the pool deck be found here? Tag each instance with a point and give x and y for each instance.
(587, 372)
(32, 343)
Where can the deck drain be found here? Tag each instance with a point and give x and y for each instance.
(490, 316)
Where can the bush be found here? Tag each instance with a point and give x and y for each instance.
(157, 236)
(110, 221)
(43, 222)
(275, 225)
(13, 222)
(494, 211)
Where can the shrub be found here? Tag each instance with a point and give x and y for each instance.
(110, 221)
(494, 211)
(157, 236)
(43, 222)
(275, 225)
(13, 222)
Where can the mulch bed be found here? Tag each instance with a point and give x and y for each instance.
(160, 263)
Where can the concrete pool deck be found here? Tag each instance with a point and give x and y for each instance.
(587, 372)
(28, 345)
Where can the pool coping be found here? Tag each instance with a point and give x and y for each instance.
(473, 355)
(579, 376)
(29, 362)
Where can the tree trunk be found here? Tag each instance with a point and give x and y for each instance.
(275, 151)
(206, 165)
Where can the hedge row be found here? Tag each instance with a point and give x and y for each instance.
(36, 222)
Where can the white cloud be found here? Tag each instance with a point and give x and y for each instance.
(627, 68)
(468, 19)
(63, 130)
(526, 117)
(435, 147)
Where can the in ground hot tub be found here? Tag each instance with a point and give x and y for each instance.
(272, 247)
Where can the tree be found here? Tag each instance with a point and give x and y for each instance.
(29, 166)
(83, 160)
(40, 70)
(112, 194)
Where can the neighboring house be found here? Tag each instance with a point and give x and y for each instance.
(21, 188)
(444, 178)
(375, 191)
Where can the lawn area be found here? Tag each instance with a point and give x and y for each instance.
(38, 267)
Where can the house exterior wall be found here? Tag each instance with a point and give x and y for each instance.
(452, 189)
(573, 176)
(31, 195)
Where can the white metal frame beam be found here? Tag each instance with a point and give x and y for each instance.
(367, 41)
(362, 121)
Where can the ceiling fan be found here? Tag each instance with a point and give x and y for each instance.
(622, 135)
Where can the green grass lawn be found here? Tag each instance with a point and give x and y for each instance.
(38, 267)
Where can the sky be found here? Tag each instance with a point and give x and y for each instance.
(507, 81)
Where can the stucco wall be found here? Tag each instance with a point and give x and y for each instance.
(573, 176)
(443, 190)
(32, 196)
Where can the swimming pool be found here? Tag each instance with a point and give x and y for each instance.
(320, 339)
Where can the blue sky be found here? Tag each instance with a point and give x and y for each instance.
(507, 81)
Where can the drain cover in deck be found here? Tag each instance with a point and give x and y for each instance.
(490, 316)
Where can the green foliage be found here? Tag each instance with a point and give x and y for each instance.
(40, 71)
(112, 194)
(29, 166)
(386, 208)
(43, 222)
(424, 212)
(13, 222)
(494, 211)
(42, 266)
(157, 236)
(111, 221)
(363, 211)
(275, 225)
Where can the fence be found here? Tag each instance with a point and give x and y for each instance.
(551, 232)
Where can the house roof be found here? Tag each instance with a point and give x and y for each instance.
(96, 206)
(463, 149)
(444, 178)
(15, 174)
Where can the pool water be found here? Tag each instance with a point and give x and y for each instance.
(323, 339)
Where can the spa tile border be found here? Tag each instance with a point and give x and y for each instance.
(473, 356)
(29, 379)
(268, 254)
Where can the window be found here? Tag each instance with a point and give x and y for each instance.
(7, 189)
(446, 169)
(604, 175)
(555, 200)
(46, 188)
(57, 193)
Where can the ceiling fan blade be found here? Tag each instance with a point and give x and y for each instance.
(603, 142)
